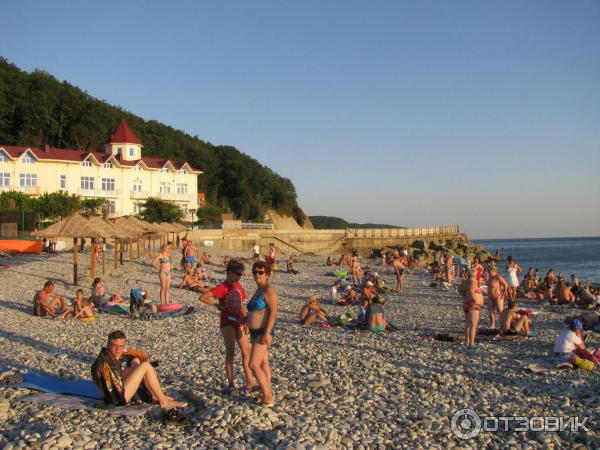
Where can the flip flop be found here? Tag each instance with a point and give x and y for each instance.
(231, 392)
(176, 418)
(196, 401)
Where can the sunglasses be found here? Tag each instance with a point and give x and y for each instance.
(258, 272)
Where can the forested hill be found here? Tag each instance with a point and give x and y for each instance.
(37, 109)
(336, 223)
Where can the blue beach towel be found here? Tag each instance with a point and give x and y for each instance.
(56, 385)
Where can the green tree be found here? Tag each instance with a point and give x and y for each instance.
(92, 206)
(209, 214)
(15, 200)
(157, 210)
(56, 205)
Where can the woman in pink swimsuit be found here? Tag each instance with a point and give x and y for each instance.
(473, 301)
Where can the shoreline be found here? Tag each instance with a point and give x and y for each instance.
(393, 390)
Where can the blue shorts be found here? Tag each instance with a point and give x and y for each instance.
(379, 329)
(190, 260)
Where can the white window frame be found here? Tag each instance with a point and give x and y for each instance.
(109, 207)
(87, 183)
(3, 157)
(5, 179)
(182, 188)
(108, 184)
(119, 150)
(137, 208)
(108, 165)
(27, 180)
(86, 163)
(62, 182)
(181, 171)
(27, 159)
(131, 151)
(136, 167)
(137, 185)
(165, 187)
(164, 170)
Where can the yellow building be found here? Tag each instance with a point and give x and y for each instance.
(120, 175)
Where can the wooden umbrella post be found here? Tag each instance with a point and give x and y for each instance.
(75, 261)
(138, 246)
(93, 260)
(130, 244)
(121, 251)
(116, 260)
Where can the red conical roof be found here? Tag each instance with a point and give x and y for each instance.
(123, 134)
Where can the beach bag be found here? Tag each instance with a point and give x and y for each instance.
(584, 354)
(344, 319)
(583, 364)
(136, 299)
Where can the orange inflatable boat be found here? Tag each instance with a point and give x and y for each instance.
(21, 246)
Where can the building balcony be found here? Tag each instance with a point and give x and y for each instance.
(98, 193)
(28, 190)
(175, 197)
(138, 195)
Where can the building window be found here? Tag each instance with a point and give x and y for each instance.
(136, 168)
(137, 185)
(28, 180)
(108, 165)
(63, 182)
(3, 157)
(182, 188)
(131, 151)
(27, 159)
(87, 163)
(4, 179)
(184, 210)
(137, 208)
(119, 150)
(165, 187)
(87, 183)
(108, 184)
(181, 171)
(109, 207)
(164, 170)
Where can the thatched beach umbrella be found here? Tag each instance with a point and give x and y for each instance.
(170, 228)
(117, 233)
(74, 226)
(152, 229)
(132, 229)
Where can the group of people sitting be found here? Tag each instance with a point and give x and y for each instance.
(366, 296)
(47, 303)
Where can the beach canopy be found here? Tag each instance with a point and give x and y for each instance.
(169, 227)
(114, 230)
(74, 226)
(131, 226)
(151, 227)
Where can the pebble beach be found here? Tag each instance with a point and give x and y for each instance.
(333, 388)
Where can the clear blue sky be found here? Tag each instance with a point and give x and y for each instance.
(481, 113)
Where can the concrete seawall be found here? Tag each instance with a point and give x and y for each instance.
(320, 242)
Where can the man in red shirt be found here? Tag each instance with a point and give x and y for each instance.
(228, 297)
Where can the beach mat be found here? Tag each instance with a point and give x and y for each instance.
(56, 385)
(87, 404)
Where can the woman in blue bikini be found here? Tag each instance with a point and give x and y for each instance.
(162, 262)
(262, 313)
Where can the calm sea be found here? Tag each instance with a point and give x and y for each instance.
(580, 256)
